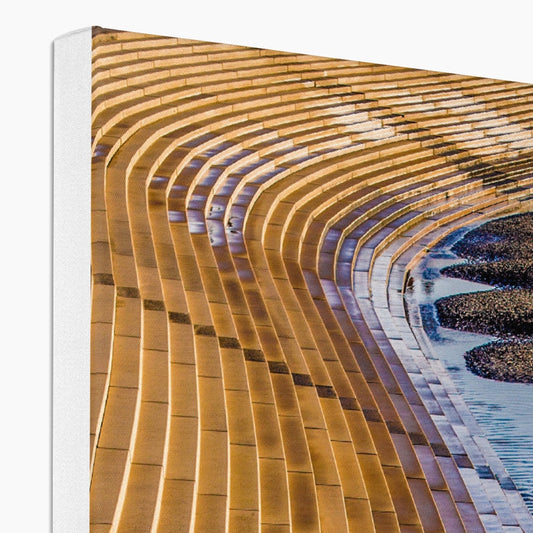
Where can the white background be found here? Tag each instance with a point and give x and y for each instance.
(490, 39)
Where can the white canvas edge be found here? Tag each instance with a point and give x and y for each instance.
(71, 281)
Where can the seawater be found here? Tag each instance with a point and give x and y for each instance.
(504, 411)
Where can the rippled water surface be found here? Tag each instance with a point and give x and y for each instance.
(503, 410)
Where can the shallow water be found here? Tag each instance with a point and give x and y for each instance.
(503, 410)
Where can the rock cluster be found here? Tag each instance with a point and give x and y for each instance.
(504, 238)
(498, 253)
(503, 360)
(506, 272)
(503, 313)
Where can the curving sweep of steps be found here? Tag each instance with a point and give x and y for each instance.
(254, 214)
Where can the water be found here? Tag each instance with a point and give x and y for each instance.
(503, 410)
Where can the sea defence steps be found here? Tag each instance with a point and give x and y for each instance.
(254, 213)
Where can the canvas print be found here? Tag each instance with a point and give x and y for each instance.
(312, 304)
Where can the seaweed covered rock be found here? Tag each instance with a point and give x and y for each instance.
(497, 312)
(504, 238)
(506, 273)
(499, 253)
(503, 360)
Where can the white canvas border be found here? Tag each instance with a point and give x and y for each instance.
(71, 281)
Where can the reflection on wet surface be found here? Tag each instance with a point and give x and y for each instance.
(503, 410)
(176, 216)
